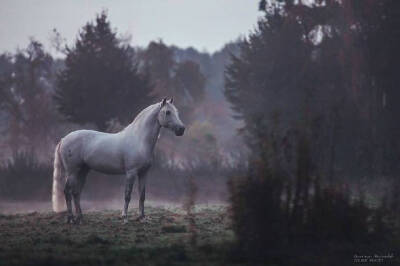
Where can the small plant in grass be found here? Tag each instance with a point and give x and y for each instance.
(189, 205)
(301, 221)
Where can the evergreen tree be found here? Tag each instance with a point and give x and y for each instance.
(268, 77)
(380, 40)
(301, 67)
(100, 81)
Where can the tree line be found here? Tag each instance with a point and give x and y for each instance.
(316, 88)
(102, 83)
(102, 80)
(328, 68)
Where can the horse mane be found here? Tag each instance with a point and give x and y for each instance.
(143, 113)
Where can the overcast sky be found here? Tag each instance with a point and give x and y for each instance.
(203, 24)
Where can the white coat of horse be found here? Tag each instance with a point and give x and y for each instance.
(128, 152)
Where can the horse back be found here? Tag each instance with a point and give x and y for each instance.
(97, 150)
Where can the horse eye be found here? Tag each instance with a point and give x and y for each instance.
(168, 112)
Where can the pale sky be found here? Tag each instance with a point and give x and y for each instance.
(203, 24)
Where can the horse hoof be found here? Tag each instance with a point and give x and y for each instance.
(125, 221)
(70, 219)
(141, 217)
(78, 221)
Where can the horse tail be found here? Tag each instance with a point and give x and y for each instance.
(58, 178)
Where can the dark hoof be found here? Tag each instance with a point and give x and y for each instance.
(70, 219)
(141, 217)
(124, 218)
(78, 220)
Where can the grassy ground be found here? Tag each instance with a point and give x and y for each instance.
(163, 238)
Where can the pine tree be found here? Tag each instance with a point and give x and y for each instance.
(100, 81)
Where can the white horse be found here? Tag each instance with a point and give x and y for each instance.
(128, 152)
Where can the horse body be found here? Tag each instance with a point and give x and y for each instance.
(128, 152)
(99, 151)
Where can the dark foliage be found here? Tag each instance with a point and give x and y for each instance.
(303, 222)
(23, 178)
(380, 42)
(100, 81)
(315, 68)
(326, 64)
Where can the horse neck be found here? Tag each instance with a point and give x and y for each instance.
(145, 128)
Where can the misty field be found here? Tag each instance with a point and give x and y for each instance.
(164, 237)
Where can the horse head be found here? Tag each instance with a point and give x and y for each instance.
(168, 117)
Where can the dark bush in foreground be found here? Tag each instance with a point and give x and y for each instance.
(23, 178)
(298, 221)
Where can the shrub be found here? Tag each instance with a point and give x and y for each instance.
(300, 221)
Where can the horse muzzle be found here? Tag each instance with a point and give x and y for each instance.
(179, 131)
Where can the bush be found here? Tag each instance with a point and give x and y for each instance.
(22, 178)
(299, 221)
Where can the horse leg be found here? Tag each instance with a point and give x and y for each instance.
(142, 192)
(130, 180)
(68, 198)
(76, 193)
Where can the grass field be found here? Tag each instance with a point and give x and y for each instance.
(164, 237)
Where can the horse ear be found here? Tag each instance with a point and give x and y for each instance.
(171, 100)
(164, 101)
